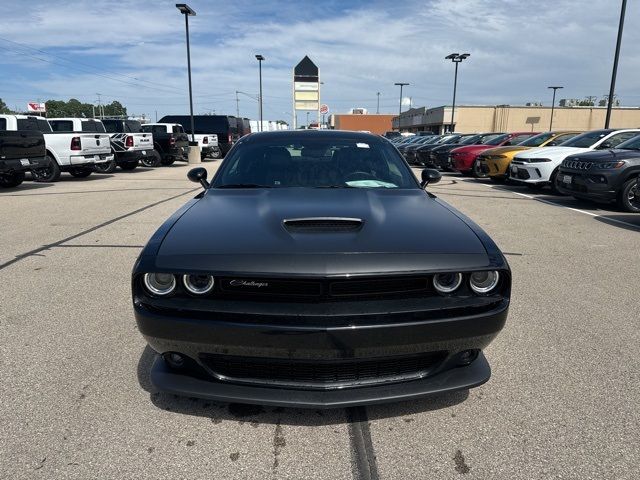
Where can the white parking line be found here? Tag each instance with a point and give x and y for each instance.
(608, 219)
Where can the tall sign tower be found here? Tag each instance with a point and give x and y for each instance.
(306, 88)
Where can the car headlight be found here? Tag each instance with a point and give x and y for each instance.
(159, 283)
(539, 160)
(198, 284)
(447, 282)
(609, 165)
(484, 282)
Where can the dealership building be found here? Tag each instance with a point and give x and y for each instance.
(507, 118)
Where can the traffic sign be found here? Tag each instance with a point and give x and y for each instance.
(324, 109)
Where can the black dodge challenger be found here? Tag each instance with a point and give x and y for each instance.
(314, 270)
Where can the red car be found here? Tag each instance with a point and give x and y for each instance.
(463, 159)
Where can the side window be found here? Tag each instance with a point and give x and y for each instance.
(517, 139)
(617, 139)
(3, 124)
(111, 127)
(88, 126)
(561, 138)
(62, 126)
(27, 124)
(158, 129)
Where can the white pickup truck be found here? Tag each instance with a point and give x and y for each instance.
(128, 142)
(76, 153)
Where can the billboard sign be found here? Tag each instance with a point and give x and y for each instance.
(36, 107)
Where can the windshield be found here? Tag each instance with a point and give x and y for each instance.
(537, 140)
(497, 140)
(286, 162)
(633, 144)
(470, 140)
(447, 139)
(587, 139)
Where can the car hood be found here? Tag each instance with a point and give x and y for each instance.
(472, 148)
(551, 152)
(607, 155)
(504, 150)
(242, 230)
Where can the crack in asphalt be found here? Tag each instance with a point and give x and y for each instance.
(43, 248)
(363, 457)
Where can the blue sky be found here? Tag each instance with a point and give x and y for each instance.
(135, 52)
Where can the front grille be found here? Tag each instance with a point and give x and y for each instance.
(523, 174)
(318, 373)
(241, 287)
(319, 225)
(577, 164)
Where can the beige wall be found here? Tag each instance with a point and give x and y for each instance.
(510, 119)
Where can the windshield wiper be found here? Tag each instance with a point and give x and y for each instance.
(243, 185)
(344, 185)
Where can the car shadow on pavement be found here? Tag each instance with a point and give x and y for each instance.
(218, 412)
(25, 186)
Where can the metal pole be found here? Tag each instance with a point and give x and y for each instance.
(400, 107)
(378, 106)
(553, 106)
(453, 106)
(186, 22)
(237, 105)
(260, 69)
(615, 64)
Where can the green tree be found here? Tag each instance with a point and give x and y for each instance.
(3, 107)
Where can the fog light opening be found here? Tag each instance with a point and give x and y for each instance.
(466, 357)
(175, 360)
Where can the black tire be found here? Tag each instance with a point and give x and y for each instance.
(629, 196)
(81, 172)
(216, 153)
(129, 166)
(10, 180)
(476, 170)
(105, 167)
(152, 160)
(554, 188)
(166, 161)
(50, 173)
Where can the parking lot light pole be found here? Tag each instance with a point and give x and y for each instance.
(553, 104)
(378, 106)
(188, 12)
(400, 108)
(615, 64)
(260, 58)
(455, 58)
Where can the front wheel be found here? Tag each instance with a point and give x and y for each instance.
(629, 196)
(166, 161)
(105, 167)
(49, 173)
(10, 180)
(478, 171)
(80, 172)
(129, 166)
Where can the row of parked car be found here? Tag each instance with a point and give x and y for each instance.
(598, 165)
(82, 146)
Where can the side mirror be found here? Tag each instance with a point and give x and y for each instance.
(430, 175)
(198, 175)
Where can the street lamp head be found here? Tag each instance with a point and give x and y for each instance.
(451, 56)
(400, 84)
(464, 55)
(555, 88)
(259, 58)
(186, 9)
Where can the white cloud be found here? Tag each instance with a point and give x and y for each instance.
(517, 49)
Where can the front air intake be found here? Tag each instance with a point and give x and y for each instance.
(322, 225)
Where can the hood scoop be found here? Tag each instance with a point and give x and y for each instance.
(322, 225)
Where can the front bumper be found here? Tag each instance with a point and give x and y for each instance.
(132, 156)
(387, 338)
(539, 172)
(598, 185)
(498, 168)
(21, 165)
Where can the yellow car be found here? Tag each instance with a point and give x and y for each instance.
(495, 161)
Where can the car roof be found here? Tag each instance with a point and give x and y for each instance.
(256, 137)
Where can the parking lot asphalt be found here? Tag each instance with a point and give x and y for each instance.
(76, 402)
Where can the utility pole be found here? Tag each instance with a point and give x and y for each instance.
(455, 58)
(378, 107)
(237, 105)
(100, 111)
(400, 84)
(553, 104)
(615, 65)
